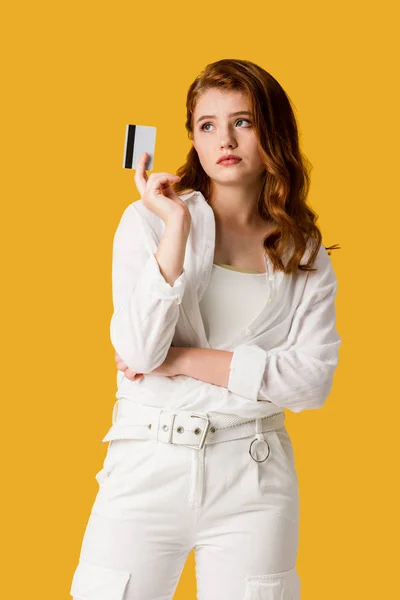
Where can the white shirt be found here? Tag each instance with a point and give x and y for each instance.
(284, 358)
(231, 301)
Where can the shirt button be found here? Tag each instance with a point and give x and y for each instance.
(247, 331)
(177, 300)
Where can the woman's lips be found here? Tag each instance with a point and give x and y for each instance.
(229, 161)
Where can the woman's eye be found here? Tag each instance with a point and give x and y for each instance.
(238, 121)
(247, 121)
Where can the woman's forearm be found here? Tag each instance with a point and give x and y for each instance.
(170, 254)
(206, 364)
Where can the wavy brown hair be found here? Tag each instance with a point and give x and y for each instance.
(283, 195)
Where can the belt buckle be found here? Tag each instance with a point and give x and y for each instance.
(203, 435)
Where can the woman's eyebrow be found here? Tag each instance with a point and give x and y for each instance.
(234, 114)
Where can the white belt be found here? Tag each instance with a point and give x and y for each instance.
(187, 428)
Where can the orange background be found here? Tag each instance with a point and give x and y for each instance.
(74, 74)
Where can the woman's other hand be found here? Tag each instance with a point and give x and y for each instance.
(121, 366)
(169, 368)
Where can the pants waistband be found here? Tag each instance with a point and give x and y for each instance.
(183, 427)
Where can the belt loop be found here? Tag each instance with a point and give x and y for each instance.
(114, 413)
(259, 435)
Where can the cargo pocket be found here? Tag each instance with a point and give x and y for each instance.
(276, 586)
(92, 582)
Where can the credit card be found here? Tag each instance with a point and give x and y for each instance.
(139, 139)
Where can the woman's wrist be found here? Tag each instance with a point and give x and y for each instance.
(206, 364)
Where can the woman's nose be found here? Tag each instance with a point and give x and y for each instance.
(227, 137)
(227, 141)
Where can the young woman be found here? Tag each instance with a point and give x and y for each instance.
(224, 316)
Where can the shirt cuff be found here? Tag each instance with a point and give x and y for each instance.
(160, 287)
(247, 370)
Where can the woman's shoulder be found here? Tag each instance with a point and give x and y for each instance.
(321, 258)
(324, 274)
(137, 218)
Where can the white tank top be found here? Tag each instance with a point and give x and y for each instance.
(233, 298)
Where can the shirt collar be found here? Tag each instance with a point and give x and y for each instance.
(187, 196)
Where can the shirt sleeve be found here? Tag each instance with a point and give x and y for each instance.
(298, 376)
(146, 306)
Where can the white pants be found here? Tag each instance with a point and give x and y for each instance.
(157, 501)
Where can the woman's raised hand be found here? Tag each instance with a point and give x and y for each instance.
(157, 194)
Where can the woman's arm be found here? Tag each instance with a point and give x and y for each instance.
(147, 289)
(206, 364)
(299, 377)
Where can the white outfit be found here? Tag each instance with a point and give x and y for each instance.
(231, 301)
(285, 357)
(177, 474)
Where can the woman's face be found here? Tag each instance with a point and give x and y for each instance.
(222, 134)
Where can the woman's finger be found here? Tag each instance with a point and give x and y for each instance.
(143, 182)
(121, 366)
(140, 173)
(132, 375)
(160, 182)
